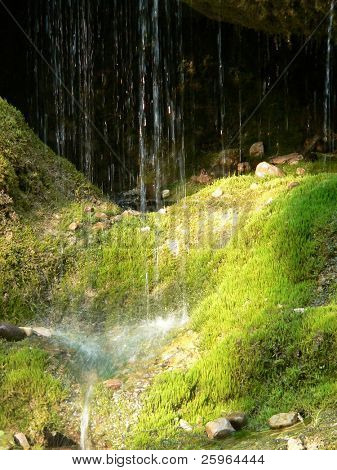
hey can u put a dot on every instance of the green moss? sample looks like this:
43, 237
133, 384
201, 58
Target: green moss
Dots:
30, 396
258, 354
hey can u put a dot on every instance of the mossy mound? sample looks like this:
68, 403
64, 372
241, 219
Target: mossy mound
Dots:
40, 195
264, 349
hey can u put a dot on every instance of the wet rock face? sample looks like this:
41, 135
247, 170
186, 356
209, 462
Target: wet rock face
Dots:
268, 15
11, 332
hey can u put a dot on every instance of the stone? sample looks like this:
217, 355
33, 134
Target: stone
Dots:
203, 178
217, 193
219, 428
266, 169
165, 193
113, 384
295, 444
21, 440
257, 150
237, 420
27, 330
11, 332
185, 426
310, 144
74, 226
42, 331
283, 420
89, 209
101, 216
290, 159
314, 444
300, 171
244, 168
227, 158
130, 213
293, 185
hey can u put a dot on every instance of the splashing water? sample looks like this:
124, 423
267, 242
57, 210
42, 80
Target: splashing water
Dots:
116, 349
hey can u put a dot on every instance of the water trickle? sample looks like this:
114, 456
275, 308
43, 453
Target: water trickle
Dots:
85, 418
222, 109
327, 91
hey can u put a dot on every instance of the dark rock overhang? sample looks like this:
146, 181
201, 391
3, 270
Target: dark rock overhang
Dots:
284, 17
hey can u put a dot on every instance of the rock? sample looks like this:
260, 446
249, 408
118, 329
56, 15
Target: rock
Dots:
310, 144
57, 440
217, 193
203, 178
300, 171
74, 226
11, 332
165, 193
101, 216
99, 226
185, 426
295, 444
244, 168
293, 185
21, 440
162, 210
283, 420
130, 213
237, 420
219, 428
226, 158
314, 444
257, 150
265, 169
41, 331
89, 209
291, 159
113, 384
27, 330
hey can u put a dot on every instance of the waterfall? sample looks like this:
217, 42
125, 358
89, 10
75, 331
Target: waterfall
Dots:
114, 104
327, 92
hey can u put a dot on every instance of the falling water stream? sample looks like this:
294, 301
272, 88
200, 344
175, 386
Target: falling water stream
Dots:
327, 94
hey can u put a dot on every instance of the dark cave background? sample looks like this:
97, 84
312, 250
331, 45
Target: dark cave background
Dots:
252, 61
